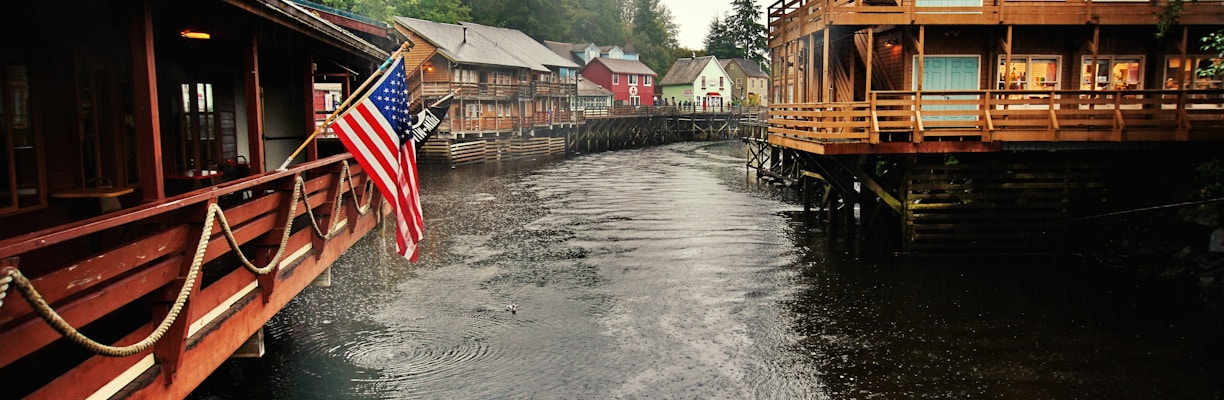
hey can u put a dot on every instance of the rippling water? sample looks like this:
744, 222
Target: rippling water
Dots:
667, 273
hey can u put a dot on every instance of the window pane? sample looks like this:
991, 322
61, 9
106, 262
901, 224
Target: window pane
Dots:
1044, 73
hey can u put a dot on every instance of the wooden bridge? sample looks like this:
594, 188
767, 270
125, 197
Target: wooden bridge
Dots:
601, 129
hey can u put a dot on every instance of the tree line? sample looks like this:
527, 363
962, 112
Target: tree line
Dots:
646, 27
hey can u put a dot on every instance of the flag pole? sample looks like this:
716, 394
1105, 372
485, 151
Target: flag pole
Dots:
408, 45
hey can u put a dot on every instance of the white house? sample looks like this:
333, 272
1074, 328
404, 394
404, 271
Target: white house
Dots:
699, 81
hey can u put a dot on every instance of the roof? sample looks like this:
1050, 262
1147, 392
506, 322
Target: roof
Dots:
521, 46
478, 44
586, 88
326, 28
564, 50
624, 66
608, 48
685, 71
749, 67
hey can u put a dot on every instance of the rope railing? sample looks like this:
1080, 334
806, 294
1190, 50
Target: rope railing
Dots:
11, 275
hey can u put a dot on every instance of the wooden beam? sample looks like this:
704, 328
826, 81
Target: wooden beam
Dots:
825, 87
254, 107
147, 119
1095, 47
920, 45
874, 186
1007, 48
870, 59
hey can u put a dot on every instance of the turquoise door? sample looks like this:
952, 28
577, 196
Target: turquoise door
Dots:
948, 73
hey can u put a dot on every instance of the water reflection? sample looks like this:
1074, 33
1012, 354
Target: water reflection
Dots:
667, 273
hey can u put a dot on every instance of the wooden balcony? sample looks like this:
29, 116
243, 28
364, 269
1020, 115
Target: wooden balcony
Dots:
791, 19
116, 276
908, 121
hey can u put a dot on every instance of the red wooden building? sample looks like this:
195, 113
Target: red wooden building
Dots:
631, 81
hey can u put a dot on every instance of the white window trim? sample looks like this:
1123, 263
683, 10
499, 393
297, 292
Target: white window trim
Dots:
1111, 57
1029, 62
646, 80
615, 79
633, 81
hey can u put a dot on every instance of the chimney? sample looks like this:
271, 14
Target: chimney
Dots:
694, 56
465, 34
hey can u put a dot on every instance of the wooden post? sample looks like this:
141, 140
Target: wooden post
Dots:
147, 119
921, 48
870, 60
1007, 63
1096, 40
312, 150
824, 80
254, 107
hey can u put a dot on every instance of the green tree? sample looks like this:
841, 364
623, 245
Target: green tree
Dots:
654, 34
719, 42
598, 21
448, 11
746, 30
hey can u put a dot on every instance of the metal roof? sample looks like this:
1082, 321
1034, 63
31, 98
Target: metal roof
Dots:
624, 66
587, 88
470, 43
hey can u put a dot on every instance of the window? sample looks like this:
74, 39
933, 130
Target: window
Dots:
635, 101
615, 79
646, 81
1191, 73
703, 82
720, 83
633, 79
465, 75
1112, 73
739, 82
1029, 73
20, 185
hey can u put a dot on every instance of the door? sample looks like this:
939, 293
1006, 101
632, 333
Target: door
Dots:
941, 73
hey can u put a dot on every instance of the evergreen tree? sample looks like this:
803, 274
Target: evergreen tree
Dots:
598, 21
654, 34
447, 11
738, 34
719, 42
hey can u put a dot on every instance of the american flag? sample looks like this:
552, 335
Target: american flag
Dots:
375, 131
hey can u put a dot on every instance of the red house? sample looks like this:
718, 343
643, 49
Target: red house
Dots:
631, 82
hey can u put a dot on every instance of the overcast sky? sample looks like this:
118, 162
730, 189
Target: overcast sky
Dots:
694, 16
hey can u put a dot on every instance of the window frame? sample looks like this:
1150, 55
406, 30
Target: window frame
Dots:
1025, 82
1111, 61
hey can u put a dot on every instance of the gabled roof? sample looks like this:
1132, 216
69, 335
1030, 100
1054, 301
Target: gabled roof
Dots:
685, 71
478, 44
587, 88
324, 27
749, 67
608, 49
565, 50
624, 66
521, 46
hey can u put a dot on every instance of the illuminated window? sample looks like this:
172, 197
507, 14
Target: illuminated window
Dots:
1112, 73
1029, 73
1192, 75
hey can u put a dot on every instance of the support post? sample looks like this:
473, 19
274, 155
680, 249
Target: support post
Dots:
147, 119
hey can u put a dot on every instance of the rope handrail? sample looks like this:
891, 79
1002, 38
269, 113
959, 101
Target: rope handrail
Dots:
12, 275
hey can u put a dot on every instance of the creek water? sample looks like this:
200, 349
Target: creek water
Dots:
668, 272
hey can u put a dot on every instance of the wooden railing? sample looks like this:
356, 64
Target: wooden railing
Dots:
125, 268
790, 19
1069, 115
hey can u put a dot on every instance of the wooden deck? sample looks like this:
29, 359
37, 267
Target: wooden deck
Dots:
975, 121
791, 19
115, 276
